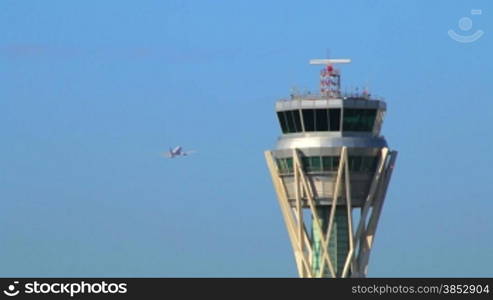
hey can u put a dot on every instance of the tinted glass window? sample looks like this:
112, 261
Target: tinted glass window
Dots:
319, 164
330, 163
280, 164
315, 163
359, 119
285, 165
295, 114
335, 119
312, 163
309, 119
321, 120
282, 122
289, 164
327, 163
289, 121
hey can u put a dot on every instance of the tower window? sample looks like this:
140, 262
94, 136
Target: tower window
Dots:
331, 164
309, 119
321, 120
335, 119
282, 121
285, 165
358, 119
295, 114
290, 121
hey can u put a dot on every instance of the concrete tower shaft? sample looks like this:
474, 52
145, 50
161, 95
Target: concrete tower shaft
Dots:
330, 169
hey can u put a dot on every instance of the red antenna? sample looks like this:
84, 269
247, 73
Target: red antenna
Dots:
330, 77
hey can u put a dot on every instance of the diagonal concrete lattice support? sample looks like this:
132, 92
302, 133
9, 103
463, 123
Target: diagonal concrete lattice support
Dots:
312, 250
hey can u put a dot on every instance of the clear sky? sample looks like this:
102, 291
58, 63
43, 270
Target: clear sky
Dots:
91, 92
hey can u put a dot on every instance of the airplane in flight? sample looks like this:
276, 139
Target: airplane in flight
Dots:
177, 151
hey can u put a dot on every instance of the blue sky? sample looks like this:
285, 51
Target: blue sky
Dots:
91, 92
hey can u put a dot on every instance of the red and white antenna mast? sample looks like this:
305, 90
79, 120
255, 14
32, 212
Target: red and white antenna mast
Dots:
330, 77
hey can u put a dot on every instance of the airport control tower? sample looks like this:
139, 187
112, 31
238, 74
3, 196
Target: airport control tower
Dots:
330, 169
